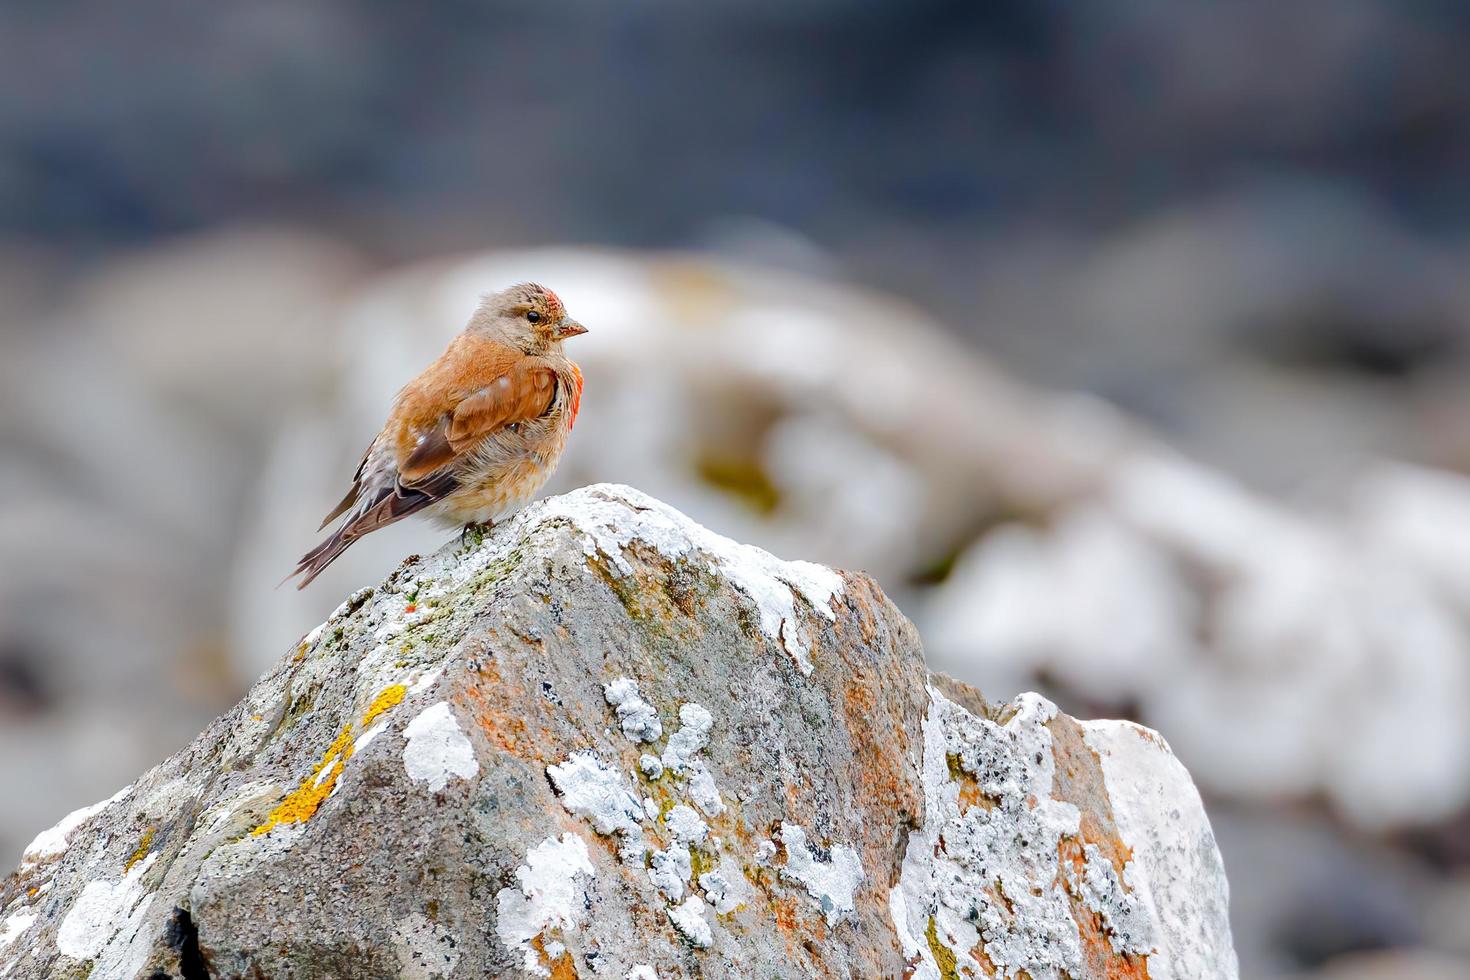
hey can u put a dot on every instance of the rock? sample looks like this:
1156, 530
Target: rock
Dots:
440, 781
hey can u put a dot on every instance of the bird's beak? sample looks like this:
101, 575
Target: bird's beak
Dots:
568, 328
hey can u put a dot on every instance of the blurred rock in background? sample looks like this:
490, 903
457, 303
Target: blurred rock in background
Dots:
1214, 478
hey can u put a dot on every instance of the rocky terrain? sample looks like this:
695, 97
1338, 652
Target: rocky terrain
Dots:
1307, 655
604, 741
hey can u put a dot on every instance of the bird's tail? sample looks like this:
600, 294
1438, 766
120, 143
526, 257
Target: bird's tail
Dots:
368, 511
315, 561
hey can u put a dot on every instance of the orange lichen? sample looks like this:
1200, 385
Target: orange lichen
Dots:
300, 805
388, 698
881, 768
561, 968
497, 706
1079, 781
786, 915
141, 851
970, 793
1103, 960
987, 966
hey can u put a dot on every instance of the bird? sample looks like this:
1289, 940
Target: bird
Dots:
476, 435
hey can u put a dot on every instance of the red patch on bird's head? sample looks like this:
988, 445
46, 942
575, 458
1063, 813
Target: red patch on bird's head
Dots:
554, 308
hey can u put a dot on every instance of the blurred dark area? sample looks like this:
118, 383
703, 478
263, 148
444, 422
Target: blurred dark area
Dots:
909, 139
1227, 242
968, 156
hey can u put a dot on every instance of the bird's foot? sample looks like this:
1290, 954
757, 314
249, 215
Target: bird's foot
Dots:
474, 533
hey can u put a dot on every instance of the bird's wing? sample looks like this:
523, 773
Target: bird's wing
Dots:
523, 390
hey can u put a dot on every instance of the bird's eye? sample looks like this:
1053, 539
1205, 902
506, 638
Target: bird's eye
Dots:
533, 316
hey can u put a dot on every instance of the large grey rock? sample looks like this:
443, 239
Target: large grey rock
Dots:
604, 741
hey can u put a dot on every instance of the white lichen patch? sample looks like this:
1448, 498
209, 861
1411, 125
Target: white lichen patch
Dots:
52, 843
913, 951
669, 869
437, 749
1175, 875
689, 919
989, 874
591, 789
703, 791
366, 738
614, 516
105, 923
693, 735
833, 882
1127, 921
685, 825
636, 716
15, 924
726, 887
642, 971
551, 894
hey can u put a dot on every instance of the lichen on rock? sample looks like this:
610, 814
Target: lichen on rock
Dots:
467, 772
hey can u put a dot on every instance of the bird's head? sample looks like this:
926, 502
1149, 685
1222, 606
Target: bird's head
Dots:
528, 317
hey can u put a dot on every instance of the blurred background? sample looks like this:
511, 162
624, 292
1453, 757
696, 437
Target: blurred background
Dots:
1125, 344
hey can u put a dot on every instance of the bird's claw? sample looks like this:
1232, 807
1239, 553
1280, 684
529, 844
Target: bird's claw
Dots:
478, 530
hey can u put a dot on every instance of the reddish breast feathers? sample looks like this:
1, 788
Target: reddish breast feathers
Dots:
576, 398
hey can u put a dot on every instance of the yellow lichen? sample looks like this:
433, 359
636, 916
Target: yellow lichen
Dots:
141, 851
300, 805
389, 698
943, 957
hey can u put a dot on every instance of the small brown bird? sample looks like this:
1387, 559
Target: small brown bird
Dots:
474, 437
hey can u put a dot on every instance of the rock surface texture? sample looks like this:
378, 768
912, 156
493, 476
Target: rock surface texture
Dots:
606, 742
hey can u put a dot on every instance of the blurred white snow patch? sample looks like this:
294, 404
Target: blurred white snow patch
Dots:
1203, 515
791, 347
1089, 601
1421, 517
812, 459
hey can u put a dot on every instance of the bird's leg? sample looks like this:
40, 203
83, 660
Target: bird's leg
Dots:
479, 530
